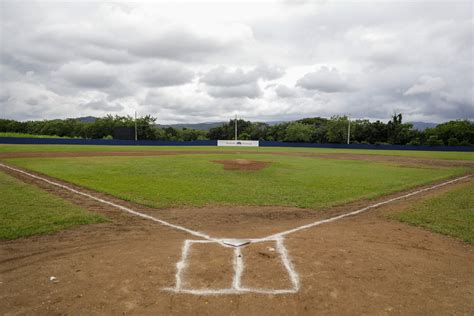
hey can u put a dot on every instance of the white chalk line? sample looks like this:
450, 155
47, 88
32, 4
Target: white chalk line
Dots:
335, 218
123, 208
238, 266
238, 269
285, 258
294, 278
181, 265
220, 240
238, 261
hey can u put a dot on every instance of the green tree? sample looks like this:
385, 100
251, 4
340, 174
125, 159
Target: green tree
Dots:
227, 130
434, 141
256, 131
298, 132
461, 130
337, 129
397, 132
320, 128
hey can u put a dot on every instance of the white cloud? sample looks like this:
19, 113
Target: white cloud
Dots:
102, 105
269, 72
284, 92
189, 61
163, 74
325, 80
426, 84
94, 75
222, 82
222, 76
250, 90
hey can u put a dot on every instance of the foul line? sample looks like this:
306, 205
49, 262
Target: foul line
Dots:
335, 218
238, 263
123, 208
220, 240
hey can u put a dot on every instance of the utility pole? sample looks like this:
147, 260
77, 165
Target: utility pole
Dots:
136, 134
349, 131
235, 129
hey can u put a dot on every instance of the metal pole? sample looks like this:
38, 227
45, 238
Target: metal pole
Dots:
235, 129
136, 134
349, 132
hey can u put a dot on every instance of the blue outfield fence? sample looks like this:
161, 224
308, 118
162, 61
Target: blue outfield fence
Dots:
368, 146
114, 142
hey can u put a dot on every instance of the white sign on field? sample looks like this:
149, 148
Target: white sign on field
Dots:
243, 143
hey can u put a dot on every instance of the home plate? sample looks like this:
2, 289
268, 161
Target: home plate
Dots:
236, 242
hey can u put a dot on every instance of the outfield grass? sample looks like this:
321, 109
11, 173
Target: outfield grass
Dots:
76, 148
26, 210
193, 180
451, 213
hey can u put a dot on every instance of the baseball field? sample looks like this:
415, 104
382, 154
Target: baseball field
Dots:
211, 230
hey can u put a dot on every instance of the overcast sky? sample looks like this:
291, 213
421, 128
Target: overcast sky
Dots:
208, 61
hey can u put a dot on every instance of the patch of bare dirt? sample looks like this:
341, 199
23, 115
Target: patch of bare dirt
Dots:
242, 164
359, 265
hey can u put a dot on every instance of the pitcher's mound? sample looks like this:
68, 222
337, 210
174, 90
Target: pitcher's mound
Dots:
242, 164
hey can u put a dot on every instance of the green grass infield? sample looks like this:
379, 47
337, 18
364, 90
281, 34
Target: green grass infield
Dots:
26, 210
451, 213
194, 180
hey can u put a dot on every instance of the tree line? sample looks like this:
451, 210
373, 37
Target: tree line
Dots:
313, 130
335, 130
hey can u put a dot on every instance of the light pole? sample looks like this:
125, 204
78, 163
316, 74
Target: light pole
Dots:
235, 127
136, 134
349, 131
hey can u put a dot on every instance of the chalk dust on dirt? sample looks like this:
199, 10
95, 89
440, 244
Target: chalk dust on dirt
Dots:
360, 265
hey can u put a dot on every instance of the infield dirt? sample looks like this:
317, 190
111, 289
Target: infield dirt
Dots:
363, 264
242, 164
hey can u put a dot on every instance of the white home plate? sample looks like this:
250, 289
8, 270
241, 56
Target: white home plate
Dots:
236, 242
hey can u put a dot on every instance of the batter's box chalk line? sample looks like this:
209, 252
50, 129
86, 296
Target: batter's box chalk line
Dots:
238, 265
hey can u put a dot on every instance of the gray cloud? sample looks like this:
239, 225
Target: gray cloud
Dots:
65, 59
269, 72
250, 90
102, 105
223, 77
88, 75
325, 80
178, 44
222, 82
164, 74
426, 84
284, 91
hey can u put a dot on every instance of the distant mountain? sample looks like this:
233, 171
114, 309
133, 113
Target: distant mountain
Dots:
421, 126
199, 126
205, 126
87, 119
271, 123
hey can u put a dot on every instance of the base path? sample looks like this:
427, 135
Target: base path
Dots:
365, 265
238, 261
